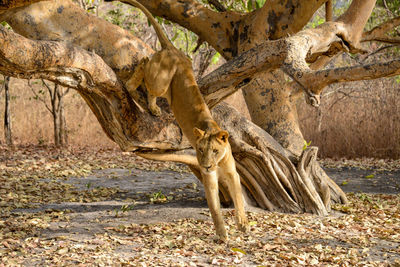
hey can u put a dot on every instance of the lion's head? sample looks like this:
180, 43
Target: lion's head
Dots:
210, 148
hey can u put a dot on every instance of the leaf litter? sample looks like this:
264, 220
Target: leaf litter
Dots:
365, 232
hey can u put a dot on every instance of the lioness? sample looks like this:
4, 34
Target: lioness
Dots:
169, 74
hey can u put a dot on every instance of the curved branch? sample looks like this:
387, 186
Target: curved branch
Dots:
379, 33
118, 48
355, 18
98, 84
322, 78
387, 40
231, 30
283, 18
199, 19
59, 62
289, 54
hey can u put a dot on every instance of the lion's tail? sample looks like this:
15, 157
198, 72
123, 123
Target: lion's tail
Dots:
181, 158
165, 43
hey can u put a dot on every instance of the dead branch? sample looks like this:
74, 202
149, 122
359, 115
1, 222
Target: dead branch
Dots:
218, 6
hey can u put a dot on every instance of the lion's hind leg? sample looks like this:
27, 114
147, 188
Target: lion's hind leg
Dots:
159, 72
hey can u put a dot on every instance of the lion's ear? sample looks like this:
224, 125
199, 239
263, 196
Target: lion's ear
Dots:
198, 133
223, 136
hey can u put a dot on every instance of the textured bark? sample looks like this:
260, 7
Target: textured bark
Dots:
100, 59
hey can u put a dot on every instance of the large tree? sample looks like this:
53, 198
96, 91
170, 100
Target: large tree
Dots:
270, 57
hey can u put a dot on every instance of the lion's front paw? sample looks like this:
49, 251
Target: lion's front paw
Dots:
242, 224
221, 234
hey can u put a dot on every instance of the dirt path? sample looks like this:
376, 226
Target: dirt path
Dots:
150, 198
352, 179
164, 196
123, 214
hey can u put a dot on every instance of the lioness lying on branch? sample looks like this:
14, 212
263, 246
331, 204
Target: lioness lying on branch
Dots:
169, 74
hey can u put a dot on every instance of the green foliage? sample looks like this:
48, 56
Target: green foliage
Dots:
124, 208
306, 144
318, 20
159, 197
252, 5
240, 5
380, 14
215, 58
365, 197
115, 16
183, 39
5, 25
393, 5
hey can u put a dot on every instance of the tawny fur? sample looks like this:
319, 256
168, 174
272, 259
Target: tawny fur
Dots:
169, 74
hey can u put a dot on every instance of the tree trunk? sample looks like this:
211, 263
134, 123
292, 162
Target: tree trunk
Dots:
63, 135
63, 126
329, 10
7, 113
55, 114
100, 61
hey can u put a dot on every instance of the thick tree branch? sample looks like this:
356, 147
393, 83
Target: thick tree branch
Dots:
379, 33
289, 54
62, 63
199, 19
97, 83
231, 31
329, 10
322, 78
283, 18
355, 18
105, 39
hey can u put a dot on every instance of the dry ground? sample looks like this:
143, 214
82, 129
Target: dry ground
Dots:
107, 208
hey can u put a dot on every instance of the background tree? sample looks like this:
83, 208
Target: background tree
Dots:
56, 108
7, 112
270, 58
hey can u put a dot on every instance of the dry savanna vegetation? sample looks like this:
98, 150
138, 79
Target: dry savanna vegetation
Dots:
355, 120
276, 76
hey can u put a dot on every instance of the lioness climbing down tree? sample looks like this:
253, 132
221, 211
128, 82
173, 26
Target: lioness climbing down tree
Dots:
169, 74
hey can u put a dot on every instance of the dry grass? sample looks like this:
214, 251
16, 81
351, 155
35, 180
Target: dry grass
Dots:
360, 119
32, 122
355, 120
